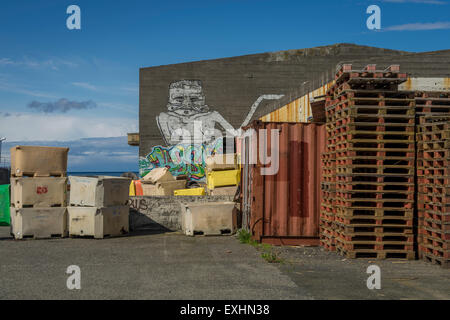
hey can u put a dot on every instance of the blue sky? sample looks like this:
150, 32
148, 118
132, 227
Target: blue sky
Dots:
64, 85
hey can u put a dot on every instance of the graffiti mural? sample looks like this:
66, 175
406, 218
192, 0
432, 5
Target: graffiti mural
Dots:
181, 159
191, 131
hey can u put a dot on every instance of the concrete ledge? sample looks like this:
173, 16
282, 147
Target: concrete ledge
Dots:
163, 212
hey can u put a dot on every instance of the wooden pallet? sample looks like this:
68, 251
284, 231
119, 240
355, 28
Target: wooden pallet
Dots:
426, 146
432, 189
433, 164
360, 178
443, 154
371, 127
374, 237
436, 198
386, 188
327, 244
346, 91
442, 217
358, 107
371, 220
444, 263
435, 242
436, 224
377, 254
441, 253
349, 229
370, 79
373, 212
364, 169
356, 136
356, 246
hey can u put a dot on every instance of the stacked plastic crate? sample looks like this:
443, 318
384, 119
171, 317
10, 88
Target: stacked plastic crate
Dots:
222, 174
38, 192
433, 173
371, 130
98, 206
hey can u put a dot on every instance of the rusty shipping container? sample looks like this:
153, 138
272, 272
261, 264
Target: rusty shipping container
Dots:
282, 208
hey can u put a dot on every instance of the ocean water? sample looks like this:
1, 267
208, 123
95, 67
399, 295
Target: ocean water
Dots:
98, 173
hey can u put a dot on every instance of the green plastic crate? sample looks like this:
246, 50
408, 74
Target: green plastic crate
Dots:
4, 205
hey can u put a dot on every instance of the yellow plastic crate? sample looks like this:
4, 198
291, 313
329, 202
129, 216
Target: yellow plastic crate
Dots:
132, 189
190, 192
223, 178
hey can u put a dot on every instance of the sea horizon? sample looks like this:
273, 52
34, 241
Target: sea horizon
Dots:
99, 173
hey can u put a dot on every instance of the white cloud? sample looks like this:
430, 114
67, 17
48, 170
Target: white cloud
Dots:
6, 62
10, 87
32, 126
119, 106
131, 89
85, 85
53, 63
419, 26
116, 90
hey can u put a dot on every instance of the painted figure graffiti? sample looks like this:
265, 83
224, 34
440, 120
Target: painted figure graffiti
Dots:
189, 118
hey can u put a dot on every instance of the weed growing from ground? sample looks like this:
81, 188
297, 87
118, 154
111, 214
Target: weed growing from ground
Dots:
267, 251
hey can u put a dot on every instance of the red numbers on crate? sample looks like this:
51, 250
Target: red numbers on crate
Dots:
41, 190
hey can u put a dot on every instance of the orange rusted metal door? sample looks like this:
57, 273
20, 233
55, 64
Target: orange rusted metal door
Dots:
284, 207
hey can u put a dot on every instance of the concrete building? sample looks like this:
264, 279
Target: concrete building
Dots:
204, 98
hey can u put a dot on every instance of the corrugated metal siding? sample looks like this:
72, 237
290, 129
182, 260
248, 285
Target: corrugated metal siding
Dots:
284, 208
298, 110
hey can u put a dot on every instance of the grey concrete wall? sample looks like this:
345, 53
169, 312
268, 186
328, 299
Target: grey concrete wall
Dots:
162, 212
232, 85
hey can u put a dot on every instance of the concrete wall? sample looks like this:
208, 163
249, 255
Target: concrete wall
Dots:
232, 87
162, 213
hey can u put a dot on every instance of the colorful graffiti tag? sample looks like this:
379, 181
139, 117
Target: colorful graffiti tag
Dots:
181, 159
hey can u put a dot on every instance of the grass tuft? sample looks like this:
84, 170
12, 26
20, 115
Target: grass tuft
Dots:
268, 253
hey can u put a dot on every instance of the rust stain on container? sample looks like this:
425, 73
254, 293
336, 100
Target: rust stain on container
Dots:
284, 208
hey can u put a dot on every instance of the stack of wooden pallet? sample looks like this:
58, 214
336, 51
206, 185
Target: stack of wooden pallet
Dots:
432, 103
370, 128
433, 171
327, 207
